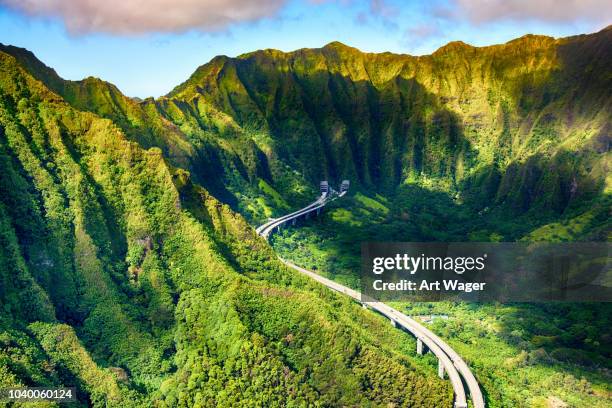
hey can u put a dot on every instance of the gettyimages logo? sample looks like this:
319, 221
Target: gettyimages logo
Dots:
412, 264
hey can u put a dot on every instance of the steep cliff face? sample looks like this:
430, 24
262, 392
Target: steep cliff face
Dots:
207, 142
122, 277
493, 123
381, 119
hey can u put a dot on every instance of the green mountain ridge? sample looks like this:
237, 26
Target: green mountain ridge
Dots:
122, 277
128, 268
493, 123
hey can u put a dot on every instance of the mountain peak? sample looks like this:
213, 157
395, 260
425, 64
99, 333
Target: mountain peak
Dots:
532, 38
337, 45
453, 46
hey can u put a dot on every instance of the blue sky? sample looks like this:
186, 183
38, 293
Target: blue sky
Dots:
147, 54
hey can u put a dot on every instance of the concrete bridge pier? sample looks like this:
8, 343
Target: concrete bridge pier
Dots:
440, 369
419, 347
293, 221
318, 211
364, 305
393, 323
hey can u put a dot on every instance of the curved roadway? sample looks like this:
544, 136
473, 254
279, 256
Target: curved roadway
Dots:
266, 229
452, 363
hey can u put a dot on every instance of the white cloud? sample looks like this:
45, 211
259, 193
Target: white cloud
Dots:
556, 11
132, 17
144, 16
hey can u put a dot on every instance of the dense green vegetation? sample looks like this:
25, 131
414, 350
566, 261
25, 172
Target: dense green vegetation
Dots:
523, 354
121, 276
126, 269
531, 355
523, 124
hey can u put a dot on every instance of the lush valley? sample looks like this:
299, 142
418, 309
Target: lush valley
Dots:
523, 354
128, 267
122, 277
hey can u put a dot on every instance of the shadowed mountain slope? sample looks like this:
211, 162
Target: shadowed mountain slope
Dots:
122, 277
493, 123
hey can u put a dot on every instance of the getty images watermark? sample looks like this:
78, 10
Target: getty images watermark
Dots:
486, 272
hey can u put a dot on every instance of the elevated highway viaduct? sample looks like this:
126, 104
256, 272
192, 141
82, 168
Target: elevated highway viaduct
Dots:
449, 362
